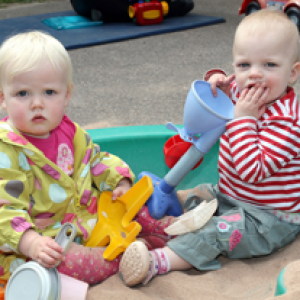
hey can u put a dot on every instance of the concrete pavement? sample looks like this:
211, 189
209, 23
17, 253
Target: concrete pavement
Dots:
143, 81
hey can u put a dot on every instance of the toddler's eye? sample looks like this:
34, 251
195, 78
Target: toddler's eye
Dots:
244, 65
270, 64
22, 94
49, 92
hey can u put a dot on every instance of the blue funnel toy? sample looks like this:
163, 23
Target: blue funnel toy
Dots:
204, 115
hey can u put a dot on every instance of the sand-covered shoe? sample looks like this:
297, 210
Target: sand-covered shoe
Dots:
134, 264
194, 219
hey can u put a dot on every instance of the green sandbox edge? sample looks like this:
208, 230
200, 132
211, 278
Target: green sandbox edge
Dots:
141, 147
280, 288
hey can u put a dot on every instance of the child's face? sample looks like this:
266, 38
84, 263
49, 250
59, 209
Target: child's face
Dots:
264, 58
35, 100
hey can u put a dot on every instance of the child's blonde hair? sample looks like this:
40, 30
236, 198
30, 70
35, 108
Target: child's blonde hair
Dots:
26, 51
266, 20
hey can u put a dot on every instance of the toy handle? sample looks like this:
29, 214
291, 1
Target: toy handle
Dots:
65, 240
183, 167
209, 138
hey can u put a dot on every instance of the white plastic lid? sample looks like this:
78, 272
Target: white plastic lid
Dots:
33, 282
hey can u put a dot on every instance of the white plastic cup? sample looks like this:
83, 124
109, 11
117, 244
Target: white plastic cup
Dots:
72, 289
31, 281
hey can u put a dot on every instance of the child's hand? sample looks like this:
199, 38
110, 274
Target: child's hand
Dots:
46, 251
222, 82
252, 102
123, 186
42, 249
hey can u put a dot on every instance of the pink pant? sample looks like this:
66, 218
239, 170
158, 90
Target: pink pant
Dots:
87, 264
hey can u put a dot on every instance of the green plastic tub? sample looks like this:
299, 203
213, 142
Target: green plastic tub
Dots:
141, 147
280, 287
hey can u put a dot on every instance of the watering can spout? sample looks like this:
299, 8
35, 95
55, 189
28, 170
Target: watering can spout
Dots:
209, 138
206, 115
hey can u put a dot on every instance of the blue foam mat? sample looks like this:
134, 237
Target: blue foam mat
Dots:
106, 33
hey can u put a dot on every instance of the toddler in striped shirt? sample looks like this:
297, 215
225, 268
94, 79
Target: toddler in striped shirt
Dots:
258, 192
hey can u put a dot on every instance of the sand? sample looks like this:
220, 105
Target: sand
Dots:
243, 279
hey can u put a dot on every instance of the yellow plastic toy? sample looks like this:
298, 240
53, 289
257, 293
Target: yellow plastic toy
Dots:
114, 225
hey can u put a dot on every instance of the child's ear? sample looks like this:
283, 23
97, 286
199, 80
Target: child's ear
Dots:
69, 95
295, 72
2, 102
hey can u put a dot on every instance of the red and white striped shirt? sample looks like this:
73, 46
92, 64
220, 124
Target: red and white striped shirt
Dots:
259, 160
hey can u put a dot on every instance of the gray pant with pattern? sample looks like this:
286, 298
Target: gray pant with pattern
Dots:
238, 230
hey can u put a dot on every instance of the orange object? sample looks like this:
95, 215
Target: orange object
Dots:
115, 226
2, 289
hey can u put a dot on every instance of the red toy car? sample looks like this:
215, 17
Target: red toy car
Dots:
150, 12
143, 12
290, 7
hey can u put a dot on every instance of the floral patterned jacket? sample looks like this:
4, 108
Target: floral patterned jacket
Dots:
35, 193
